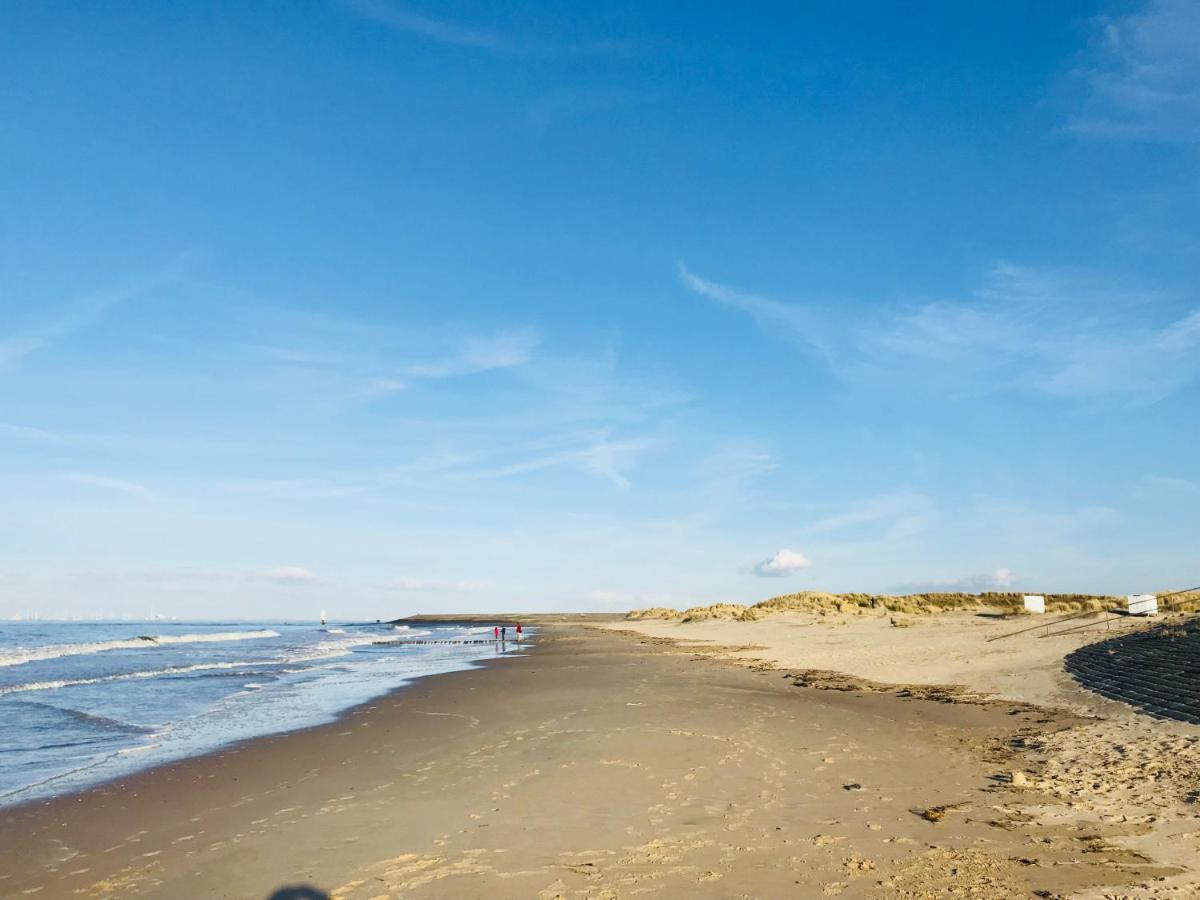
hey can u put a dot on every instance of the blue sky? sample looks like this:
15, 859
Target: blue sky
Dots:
384, 307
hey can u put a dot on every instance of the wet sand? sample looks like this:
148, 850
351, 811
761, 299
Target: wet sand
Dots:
600, 765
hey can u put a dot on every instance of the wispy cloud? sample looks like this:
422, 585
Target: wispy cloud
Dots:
996, 580
284, 576
599, 457
443, 31
15, 348
423, 585
1174, 486
28, 433
1064, 333
349, 362
1141, 75
783, 563
405, 19
901, 513
1059, 333
80, 313
129, 488
787, 320
288, 576
502, 350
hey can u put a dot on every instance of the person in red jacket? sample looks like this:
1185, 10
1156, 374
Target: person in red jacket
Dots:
518, 632
496, 632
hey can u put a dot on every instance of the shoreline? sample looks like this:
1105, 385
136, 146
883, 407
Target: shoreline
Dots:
177, 737
233, 744
596, 764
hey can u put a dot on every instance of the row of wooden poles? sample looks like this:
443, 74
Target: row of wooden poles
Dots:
453, 641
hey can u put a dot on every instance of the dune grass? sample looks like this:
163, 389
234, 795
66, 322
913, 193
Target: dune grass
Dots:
823, 603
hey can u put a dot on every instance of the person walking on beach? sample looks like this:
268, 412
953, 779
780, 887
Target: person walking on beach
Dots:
518, 632
496, 632
504, 634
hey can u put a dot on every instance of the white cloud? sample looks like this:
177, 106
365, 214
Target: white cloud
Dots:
782, 564
1060, 333
131, 488
1141, 75
289, 576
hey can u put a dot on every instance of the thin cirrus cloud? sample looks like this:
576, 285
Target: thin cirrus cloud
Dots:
1141, 76
86, 310
371, 371
1066, 334
782, 564
28, 433
405, 19
288, 576
791, 321
901, 511
602, 458
104, 482
423, 585
285, 576
503, 350
347, 363
1172, 486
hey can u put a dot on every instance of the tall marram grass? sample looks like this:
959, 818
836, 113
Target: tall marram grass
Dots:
879, 604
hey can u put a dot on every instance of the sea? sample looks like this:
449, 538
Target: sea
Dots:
82, 703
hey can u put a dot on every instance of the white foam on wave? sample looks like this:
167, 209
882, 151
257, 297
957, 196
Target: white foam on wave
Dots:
322, 650
326, 649
55, 651
129, 676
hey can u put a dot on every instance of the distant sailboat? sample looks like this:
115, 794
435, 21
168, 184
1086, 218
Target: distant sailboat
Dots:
322, 617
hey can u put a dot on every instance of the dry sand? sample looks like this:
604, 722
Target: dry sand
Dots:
941, 649
601, 765
1113, 768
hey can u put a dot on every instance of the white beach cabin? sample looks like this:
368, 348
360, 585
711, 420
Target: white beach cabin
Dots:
1142, 604
1035, 603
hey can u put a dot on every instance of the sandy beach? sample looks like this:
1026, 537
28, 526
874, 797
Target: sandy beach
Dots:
605, 764
1093, 764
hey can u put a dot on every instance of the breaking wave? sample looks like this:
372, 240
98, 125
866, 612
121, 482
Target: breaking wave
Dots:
129, 676
19, 656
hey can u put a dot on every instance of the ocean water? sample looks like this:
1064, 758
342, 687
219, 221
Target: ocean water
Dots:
84, 702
